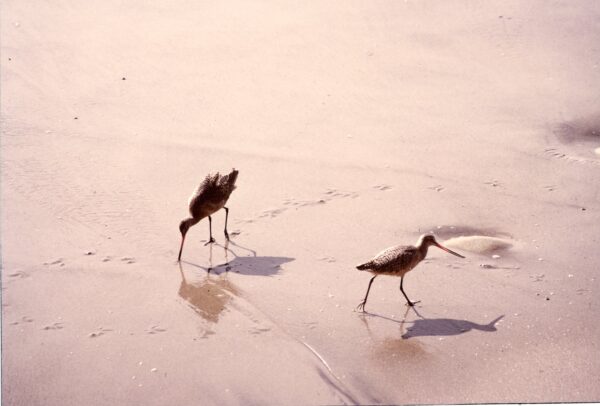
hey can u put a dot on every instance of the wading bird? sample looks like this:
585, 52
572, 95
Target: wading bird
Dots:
397, 261
211, 195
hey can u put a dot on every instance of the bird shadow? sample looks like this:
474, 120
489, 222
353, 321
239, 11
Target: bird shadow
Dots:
424, 327
251, 264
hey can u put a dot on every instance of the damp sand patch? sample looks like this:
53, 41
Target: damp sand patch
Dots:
584, 129
479, 244
479, 240
446, 232
580, 138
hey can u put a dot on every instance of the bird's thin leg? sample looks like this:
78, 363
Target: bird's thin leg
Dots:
226, 215
402, 290
210, 239
361, 305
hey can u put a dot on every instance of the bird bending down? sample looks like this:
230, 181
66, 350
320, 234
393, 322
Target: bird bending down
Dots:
397, 261
211, 195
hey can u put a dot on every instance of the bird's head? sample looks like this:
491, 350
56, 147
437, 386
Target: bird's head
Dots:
184, 226
427, 240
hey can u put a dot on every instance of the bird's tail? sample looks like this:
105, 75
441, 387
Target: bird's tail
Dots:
228, 181
365, 266
232, 177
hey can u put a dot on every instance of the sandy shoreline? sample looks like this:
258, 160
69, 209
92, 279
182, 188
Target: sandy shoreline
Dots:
354, 128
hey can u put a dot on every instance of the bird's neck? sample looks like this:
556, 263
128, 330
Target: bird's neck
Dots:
192, 221
423, 247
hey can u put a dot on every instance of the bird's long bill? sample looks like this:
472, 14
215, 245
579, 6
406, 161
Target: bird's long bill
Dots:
449, 251
181, 248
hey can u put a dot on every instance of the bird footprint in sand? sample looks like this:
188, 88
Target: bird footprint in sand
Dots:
334, 193
327, 259
437, 188
271, 213
571, 158
54, 326
58, 262
493, 183
101, 331
155, 330
24, 319
19, 274
128, 260
259, 330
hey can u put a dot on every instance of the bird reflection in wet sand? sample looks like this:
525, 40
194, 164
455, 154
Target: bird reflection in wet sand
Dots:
364, 317
388, 349
209, 296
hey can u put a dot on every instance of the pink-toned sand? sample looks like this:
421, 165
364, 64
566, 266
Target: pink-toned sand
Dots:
355, 126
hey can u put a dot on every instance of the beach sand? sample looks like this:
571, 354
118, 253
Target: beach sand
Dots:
355, 126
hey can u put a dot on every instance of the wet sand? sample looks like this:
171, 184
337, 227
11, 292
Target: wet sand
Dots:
355, 127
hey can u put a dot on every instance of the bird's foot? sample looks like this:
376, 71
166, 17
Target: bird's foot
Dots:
411, 304
361, 307
226, 235
210, 241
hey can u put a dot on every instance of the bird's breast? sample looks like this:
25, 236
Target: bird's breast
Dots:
212, 207
393, 271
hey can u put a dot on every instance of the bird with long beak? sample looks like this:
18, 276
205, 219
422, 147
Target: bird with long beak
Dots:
399, 260
209, 197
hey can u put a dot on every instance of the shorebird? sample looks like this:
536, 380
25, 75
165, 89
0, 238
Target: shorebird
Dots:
399, 260
211, 195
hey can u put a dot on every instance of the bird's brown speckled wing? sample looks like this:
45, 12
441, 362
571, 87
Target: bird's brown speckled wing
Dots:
394, 258
207, 193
